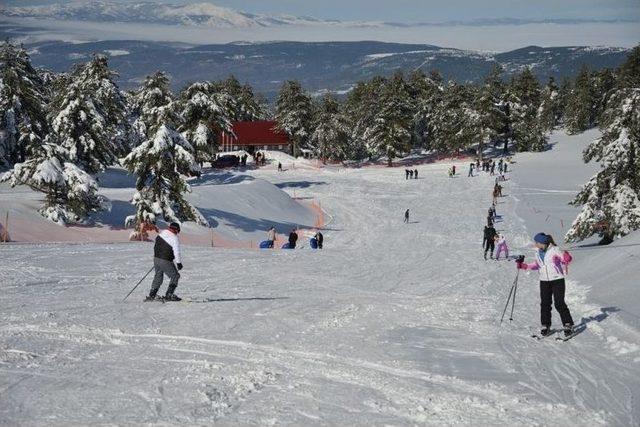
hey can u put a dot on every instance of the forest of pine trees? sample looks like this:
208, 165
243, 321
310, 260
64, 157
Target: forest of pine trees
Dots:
58, 131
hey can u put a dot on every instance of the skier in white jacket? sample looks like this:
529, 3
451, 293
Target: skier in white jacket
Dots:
166, 260
551, 263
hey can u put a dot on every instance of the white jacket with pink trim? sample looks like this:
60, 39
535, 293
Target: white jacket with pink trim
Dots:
551, 264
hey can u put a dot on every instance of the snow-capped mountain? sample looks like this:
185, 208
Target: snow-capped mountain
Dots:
196, 14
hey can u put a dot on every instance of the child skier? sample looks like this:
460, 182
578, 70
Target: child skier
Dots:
551, 263
166, 252
501, 243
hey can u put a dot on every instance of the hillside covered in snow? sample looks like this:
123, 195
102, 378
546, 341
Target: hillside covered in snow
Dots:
390, 323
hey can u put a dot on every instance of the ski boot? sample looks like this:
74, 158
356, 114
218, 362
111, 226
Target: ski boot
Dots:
568, 330
170, 296
545, 331
151, 297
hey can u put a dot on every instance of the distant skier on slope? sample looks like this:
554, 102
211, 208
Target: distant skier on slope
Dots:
489, 237
166, 260
319, 239
415, 173
406, 216
470, 170
551, 263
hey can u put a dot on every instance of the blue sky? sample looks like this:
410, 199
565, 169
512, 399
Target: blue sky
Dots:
426, 10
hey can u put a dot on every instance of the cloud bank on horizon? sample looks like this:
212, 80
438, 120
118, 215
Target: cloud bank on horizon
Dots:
495, 25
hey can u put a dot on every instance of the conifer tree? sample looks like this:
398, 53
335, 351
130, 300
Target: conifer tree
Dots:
294, 114
161, 160
610, 200
330, 137
581, 109
23, 102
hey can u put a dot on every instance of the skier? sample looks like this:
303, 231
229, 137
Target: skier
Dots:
406, 174
320, 239
271, 236
489, 237
470, 170
166, 257
551, 263
293, 238
410, 174
453, 170
415, 173
478, 164
501, 247
279, 167
406, 216
493, 168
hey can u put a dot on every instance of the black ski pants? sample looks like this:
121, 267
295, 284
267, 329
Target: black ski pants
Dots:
553, 290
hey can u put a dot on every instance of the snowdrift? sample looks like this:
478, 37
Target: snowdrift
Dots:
239, 208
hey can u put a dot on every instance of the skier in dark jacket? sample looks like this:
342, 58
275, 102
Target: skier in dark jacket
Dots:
415, 173
293, 239
166, 260
406, 216
406, 174
489, 240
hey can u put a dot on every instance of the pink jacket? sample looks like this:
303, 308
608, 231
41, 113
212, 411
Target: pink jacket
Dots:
551, 264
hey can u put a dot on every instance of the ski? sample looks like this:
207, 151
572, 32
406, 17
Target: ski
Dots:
542, 337
575, 332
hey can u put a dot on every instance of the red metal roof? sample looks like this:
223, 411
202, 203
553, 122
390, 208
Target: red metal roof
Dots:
258, 133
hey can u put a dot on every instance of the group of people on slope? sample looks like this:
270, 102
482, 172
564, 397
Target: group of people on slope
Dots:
488, 166
411, 174
293, 238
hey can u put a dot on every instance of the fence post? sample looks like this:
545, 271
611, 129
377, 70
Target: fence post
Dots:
5, 236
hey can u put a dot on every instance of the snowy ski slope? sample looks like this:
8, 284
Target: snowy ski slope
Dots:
392, 324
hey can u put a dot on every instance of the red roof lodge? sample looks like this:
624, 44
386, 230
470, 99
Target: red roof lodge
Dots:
254, 136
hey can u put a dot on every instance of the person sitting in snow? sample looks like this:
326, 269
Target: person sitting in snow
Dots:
166, 260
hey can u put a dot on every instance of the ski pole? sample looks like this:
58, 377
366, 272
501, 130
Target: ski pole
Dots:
506, 305
138, 284
515, 289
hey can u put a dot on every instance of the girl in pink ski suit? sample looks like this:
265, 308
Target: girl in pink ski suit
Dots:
501, 243
552, 265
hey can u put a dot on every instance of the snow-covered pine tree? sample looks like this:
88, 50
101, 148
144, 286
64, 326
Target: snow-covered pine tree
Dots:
429, 96
581, 107
70, 192
492, 110
246, 106
294, 113
550, 111
161, 160
330, 137
524, 103
98, 82
458, 123
23, 103
362, 103
390, 133
205, 112
610, 200
80, 126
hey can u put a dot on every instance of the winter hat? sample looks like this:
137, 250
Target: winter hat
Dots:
541, 238
174, 226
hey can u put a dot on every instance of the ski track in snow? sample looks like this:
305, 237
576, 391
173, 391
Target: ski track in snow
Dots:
391, 324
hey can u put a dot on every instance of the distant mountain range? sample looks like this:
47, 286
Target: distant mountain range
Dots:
320, 67
210, 15
196, 14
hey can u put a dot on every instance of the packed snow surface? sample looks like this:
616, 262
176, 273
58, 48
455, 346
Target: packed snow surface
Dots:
390, 324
